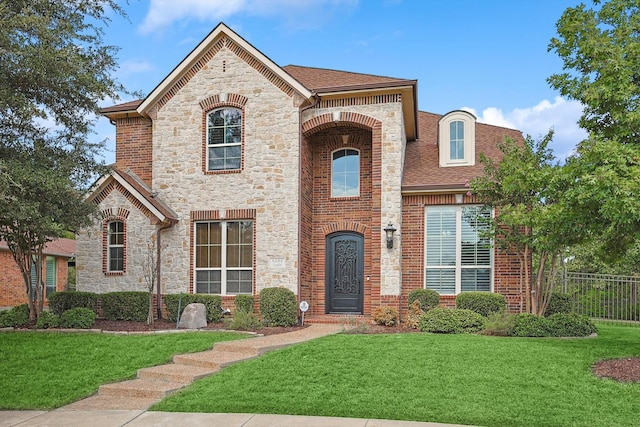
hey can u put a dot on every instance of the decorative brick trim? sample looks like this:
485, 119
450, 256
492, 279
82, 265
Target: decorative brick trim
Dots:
209, 104
214, 215
115, 185
344, 226
362, 100
341, 119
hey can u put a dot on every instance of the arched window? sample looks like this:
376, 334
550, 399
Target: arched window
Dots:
456, 140
345, 173
115, 246
224, 139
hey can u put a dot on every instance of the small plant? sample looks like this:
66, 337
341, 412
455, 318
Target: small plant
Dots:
413, 315
59, 302
499, 323
559, 303
387, 316
78, 318
483, 303
428, 298
530, 325
242, 321
244, 303
354, 326
278, 307
125, 306
570, 325
17, 317
451, 321
47, 320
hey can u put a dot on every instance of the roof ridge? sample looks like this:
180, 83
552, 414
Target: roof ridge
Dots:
344, 71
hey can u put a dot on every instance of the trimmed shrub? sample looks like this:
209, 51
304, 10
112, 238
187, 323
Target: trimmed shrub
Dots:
530, 325
125, 306
387, 316
244, 303
570, 325
47, 320
499, 323
451, 321
17, 317
213, 303
278, 307
242, 321
413, 315
483, 303
59, 302
428, 298
559, 303
78, 318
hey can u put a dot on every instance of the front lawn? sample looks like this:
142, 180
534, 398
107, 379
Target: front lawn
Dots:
44, 370
465, 379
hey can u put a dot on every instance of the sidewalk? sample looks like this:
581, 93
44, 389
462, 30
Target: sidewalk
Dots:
126, 403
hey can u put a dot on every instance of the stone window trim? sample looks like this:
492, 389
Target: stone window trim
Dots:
109, 218
222, 215
332, 160
468, 121
211, 104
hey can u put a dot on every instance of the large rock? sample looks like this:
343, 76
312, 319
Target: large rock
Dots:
194, 316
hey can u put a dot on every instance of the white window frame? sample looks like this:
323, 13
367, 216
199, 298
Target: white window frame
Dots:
115, 245
223, 261
211, 145
458, 267
333, 172
444, 139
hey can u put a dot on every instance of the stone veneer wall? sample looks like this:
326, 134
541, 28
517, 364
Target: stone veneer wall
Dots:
89, 251
268, 182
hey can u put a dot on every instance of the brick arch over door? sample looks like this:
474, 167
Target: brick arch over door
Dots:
313, 234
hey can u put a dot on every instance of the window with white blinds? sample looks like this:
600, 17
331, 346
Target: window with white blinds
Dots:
457, 254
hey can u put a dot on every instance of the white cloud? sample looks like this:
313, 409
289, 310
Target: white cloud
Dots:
560, 115
135, 67
164, 12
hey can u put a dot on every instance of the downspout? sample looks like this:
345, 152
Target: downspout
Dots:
163, 226
316, 100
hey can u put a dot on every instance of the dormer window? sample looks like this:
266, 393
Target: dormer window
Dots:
456, 139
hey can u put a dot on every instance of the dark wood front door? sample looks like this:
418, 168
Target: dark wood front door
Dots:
344, 273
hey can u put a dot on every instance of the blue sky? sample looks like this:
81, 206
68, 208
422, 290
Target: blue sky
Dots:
487, 56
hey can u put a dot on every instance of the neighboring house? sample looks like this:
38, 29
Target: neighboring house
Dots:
253, 175
58, 254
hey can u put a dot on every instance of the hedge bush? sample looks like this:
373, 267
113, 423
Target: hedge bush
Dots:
414, 314
17, 317
59, 302
125, 306
530, 325
244, 303
278, 307
47, 320
570, 325
499, 323
451, 321
483, 303
78, 318
559, 303
428, 298
213, 304
387, 316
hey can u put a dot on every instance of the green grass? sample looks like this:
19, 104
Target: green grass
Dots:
466, 379
49, 370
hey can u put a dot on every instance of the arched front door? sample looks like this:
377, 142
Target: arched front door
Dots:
344, 273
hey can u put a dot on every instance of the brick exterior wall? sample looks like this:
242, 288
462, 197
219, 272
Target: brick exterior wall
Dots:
134, 147
506, 268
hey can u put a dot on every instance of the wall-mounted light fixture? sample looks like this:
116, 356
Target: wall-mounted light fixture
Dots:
345, 139
389, 230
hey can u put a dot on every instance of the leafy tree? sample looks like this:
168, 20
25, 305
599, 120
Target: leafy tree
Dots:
525, 187
54, 69
600, 50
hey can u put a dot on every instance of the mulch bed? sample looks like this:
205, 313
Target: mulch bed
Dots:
623, 370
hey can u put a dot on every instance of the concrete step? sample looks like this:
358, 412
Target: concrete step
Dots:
249, 347
106, 402
140, 388
213, 359
175, 373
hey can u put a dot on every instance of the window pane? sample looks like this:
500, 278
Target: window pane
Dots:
234, 117
442, 280
476, 249
441, 237
51, 275
116, 260
208, 282
202, 256
345, 173
216, 136
224, 128
456, 140
239, 281
476, 279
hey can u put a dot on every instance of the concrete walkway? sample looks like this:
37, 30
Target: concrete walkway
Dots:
125, 403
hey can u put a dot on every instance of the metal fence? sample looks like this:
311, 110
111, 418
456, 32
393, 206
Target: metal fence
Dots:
602, 296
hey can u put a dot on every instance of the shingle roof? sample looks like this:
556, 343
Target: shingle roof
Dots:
65, 248
323, 78
125, 106
421, 165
